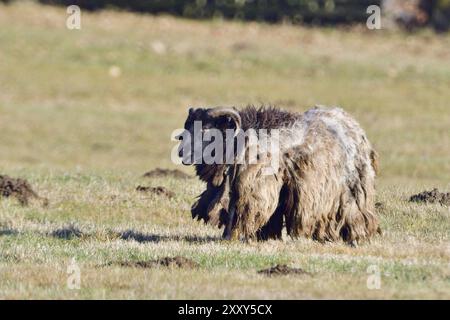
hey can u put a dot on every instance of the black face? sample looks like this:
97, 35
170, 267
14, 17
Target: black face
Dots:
192, 145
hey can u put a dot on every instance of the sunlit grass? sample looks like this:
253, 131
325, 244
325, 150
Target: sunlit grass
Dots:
83, 138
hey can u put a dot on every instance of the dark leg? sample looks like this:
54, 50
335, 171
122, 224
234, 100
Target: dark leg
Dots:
273, 228
231, 222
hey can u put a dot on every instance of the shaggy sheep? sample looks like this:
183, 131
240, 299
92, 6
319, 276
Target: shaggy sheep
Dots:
323, 187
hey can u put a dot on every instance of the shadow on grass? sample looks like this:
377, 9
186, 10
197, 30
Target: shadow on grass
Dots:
67, 233
142, 237
72, 232
8, 232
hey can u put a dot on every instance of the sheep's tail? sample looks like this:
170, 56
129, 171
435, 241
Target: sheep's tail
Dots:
374, 158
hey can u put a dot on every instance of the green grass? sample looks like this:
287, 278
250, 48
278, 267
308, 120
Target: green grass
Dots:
84, 138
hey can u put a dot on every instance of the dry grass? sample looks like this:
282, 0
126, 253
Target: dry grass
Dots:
84, 138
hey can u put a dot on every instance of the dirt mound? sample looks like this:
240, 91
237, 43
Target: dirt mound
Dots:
160, 191
281, 270
169, 262
433, 196
19, 189
158, 172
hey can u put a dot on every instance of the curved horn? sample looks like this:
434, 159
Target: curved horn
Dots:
226, 111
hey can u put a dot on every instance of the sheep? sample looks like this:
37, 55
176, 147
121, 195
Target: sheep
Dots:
323, 186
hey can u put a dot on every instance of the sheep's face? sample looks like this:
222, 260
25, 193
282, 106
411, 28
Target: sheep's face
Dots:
200, 130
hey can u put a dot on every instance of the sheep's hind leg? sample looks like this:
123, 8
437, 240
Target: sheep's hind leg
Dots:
273, 228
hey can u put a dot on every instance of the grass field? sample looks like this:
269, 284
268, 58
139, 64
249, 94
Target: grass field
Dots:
84, 113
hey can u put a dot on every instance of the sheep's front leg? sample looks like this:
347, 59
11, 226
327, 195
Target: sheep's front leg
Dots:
228, 232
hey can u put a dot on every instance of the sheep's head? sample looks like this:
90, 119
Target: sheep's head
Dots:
198, 131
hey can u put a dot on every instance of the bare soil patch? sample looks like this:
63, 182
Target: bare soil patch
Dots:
19, 189
433, 196
281, 270
168, 262
159, 172
160, 191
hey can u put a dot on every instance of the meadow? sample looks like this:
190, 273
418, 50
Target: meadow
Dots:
85, 113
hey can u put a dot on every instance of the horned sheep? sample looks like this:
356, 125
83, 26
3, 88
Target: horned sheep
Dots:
323, 187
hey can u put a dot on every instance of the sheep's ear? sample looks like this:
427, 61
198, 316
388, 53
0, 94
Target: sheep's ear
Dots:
191, 111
